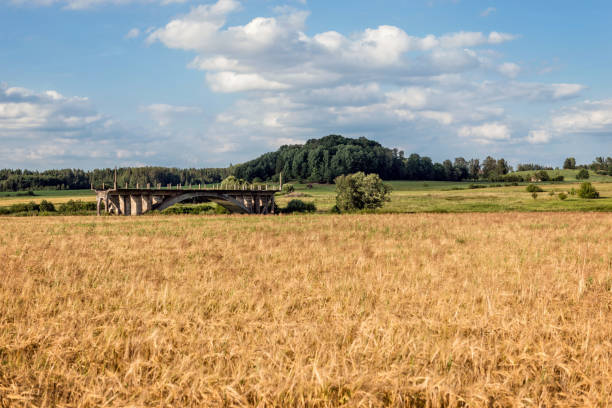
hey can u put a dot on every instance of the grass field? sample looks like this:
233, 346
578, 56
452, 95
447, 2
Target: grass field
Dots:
419, 196
432, 196
340, 310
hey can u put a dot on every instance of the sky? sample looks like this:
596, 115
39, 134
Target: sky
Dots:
104, 83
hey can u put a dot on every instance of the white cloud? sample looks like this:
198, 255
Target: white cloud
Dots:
486, 133
509, 69
539, 136
227, 81
164, 114
133, 33
23, 109
562, 91
488, 12
587, 117
276, 48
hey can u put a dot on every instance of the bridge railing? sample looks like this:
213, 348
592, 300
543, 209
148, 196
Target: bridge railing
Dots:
215, 186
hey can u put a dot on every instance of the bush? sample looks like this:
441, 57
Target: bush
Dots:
219, 209
188, 209
542, 175
78, 206
358, 192
532, 188
298, 206
557, 178
562, 196
587, 191
46, 206
583, 174
534, 195
288, 188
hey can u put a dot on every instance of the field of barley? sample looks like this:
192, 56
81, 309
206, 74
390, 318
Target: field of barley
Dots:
437, 310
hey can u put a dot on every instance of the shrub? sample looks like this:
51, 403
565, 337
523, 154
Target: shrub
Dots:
78, 206
542, 175
532, 188
288, 188
358, 192
587, 191
188, 209
219, 209
562, 196
551, 193
309, 186
572, 191
46, 206
298, 206
583, 174
558, 178
534, 195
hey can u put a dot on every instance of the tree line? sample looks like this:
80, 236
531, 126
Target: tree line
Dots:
71, 179
318, 160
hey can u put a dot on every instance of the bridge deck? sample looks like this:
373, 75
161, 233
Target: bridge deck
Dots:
174, 191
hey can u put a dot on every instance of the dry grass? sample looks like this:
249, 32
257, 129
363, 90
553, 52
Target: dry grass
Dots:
364, 310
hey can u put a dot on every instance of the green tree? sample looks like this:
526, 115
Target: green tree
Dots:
474, 169
587, 191
489, 166
502, 167
232, 182
569, 163
358, 191
583, 174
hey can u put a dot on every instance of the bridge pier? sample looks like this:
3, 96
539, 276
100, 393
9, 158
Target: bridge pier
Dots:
124, 204
135, 204
147, 203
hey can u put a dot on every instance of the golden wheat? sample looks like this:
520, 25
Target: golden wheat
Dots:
363, 310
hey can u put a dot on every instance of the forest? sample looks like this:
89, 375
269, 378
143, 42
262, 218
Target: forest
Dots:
318, 160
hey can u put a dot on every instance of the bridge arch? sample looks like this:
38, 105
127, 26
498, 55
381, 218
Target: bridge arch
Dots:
224, 200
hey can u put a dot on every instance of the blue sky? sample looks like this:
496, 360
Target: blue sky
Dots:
99, 83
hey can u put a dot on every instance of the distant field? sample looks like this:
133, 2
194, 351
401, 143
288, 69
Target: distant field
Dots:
341, 310
55, 196
420, 196
441, 196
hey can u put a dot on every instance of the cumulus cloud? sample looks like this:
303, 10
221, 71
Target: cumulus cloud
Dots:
227, 81
509, 69
23, 109
539, 136
486, 133
587, 117
275, 53
164, 114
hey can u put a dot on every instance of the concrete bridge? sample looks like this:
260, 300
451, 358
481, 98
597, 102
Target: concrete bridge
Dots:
240, 199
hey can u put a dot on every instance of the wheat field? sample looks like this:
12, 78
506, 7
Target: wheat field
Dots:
424, 310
